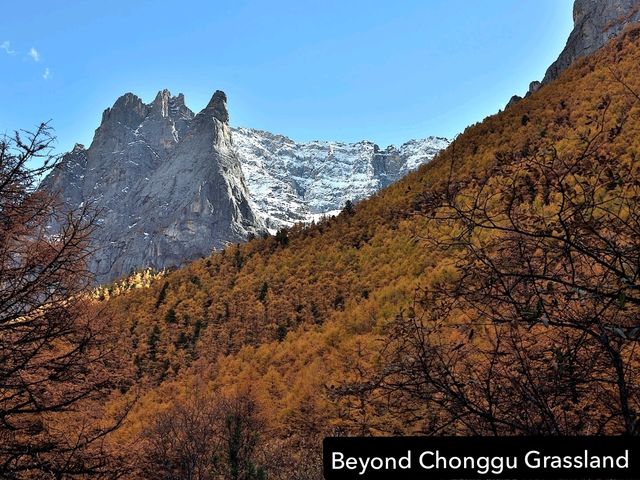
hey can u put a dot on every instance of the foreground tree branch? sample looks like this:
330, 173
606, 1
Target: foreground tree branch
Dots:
53, 349
532, 325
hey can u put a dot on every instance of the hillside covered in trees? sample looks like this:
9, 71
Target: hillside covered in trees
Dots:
499, 279
493, 291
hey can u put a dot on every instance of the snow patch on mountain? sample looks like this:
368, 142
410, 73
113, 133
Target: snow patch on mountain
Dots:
291, 182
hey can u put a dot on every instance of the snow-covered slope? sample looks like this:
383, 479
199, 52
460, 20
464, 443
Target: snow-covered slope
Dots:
293, 182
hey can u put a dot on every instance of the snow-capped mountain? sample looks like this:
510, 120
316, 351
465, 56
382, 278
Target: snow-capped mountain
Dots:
172, 186
166, 183
292, 182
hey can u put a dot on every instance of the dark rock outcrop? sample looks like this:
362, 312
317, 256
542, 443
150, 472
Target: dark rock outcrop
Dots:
534, 87
513, 100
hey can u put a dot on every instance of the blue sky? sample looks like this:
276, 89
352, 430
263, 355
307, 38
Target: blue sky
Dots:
332, 69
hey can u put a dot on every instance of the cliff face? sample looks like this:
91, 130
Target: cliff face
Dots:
166, 183
595, 22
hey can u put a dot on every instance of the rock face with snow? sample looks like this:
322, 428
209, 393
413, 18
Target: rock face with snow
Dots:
296, 182
167, 184
595, 22
171, 186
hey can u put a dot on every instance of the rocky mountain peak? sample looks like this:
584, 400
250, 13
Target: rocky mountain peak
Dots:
172, 186
217, 107
595, 22
178, 103
161, 102
128, 110
294, 182
169, 189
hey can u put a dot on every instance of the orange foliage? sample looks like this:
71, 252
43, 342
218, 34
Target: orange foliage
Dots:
295, 315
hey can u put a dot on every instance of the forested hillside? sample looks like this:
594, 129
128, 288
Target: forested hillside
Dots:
505, 268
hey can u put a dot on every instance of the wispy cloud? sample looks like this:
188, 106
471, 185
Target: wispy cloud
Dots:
33, 53
6, 46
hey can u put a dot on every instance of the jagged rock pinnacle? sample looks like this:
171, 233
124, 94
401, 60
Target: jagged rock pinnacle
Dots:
161, 102
217, 106
128, 109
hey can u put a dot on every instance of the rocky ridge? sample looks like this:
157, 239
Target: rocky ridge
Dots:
294, 182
